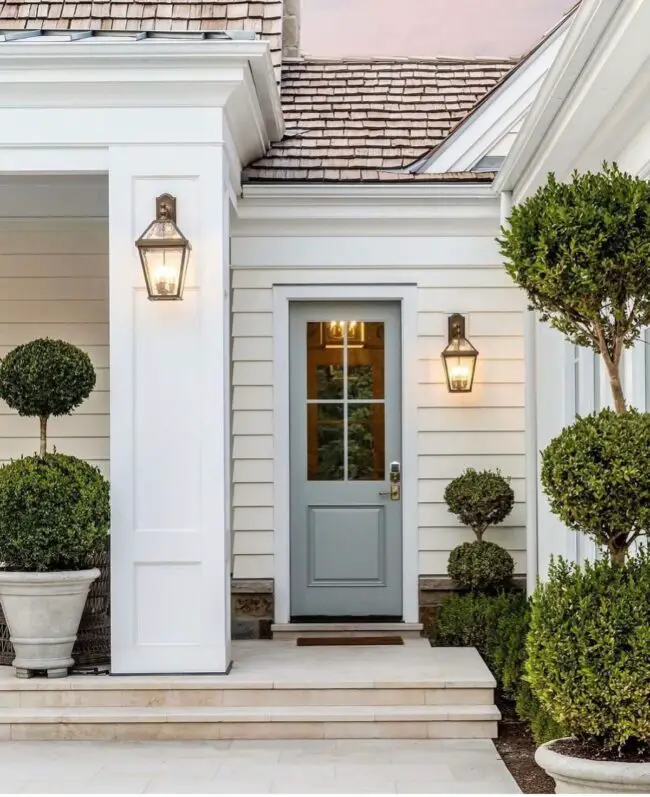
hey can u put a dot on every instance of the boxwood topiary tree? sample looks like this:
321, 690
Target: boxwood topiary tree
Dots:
46, 377
596, 474
581, 250
54, 513
480, 499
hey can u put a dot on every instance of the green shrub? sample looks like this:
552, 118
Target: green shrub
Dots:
543, 727
480, 566
497, 626
589, 651
580, 250
595, 474
46, 377
54, 513
480, 499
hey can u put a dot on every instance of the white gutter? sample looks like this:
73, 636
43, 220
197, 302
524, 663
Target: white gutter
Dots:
420, 190
530, 436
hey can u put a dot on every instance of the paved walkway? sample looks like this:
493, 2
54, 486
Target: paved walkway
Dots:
289, 767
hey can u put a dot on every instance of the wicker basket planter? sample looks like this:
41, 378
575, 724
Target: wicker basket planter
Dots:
93, 645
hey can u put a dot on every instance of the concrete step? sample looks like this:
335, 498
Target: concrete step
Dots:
275, 722
288, 631
182, 696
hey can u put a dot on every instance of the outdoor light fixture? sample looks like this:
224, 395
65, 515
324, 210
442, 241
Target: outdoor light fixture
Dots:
459, 357
164, 252
333, 334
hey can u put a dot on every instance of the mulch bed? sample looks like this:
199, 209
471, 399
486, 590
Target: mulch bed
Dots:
517, 749
573, 747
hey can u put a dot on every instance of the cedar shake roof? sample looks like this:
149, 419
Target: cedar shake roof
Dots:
178, 16
372, 120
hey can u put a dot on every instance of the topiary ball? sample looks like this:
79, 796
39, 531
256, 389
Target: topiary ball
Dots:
595, 474
46, 377
480, 566
54, 513
589, 651
480, 499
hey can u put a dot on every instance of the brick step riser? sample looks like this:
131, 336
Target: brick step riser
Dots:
176, 698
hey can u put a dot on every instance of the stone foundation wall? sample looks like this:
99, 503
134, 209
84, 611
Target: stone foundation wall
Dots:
252, 604
251, 608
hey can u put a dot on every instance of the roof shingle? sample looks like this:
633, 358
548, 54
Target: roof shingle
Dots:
262, 16
372, 119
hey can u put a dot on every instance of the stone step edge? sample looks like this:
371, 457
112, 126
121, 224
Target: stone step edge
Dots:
165, 683
112, 714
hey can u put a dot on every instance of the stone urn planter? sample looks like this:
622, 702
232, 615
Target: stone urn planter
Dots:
42, 611
586, 776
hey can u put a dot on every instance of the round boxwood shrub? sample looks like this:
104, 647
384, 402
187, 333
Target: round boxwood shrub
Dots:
589, 651
46, 377
54, 513
597, 479
480, 499
480, 566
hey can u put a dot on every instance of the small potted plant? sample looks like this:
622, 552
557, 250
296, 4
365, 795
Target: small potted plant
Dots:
54, 512
480, 499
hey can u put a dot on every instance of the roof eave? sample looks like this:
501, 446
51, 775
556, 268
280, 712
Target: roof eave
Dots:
589, 25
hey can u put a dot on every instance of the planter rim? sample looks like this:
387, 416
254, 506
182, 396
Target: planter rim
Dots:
57, 576
586, 769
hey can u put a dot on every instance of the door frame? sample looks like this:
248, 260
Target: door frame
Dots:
406, 295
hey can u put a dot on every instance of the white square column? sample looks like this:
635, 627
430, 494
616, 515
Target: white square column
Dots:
170, 537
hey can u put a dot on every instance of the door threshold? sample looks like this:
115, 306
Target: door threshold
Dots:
338, 628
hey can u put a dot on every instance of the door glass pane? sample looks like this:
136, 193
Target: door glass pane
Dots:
366, 455
324, 363
325, 442
366, 362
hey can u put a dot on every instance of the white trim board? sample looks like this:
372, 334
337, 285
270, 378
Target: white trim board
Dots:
508, 104
407, 296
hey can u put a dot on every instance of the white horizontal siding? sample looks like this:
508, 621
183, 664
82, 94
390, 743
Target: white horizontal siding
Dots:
54, 283
484, 429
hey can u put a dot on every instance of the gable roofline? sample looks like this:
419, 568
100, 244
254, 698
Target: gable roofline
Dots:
362, 120
464, 146
590, 25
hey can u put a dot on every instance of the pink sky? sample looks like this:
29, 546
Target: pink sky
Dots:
426, 28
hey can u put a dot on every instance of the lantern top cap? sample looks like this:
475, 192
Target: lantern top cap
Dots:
458, 343
164, 231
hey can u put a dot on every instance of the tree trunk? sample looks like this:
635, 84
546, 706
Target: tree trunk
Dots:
615, 383
613, 366
43, 420
617, 555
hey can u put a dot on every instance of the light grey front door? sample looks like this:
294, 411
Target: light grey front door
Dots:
346, 528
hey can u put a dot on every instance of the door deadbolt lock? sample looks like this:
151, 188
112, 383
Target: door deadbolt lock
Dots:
395, 477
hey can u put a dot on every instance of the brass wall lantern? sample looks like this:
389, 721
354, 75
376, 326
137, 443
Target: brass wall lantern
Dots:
459, 357
164, 252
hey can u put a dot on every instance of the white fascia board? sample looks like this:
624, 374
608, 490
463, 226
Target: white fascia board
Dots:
42, 73
340, 202
588, 24
499, 113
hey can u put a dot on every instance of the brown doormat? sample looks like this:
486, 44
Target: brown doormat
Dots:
325, 641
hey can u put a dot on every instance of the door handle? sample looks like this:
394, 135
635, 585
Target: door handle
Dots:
395, 491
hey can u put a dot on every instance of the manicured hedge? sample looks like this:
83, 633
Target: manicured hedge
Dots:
497, 626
